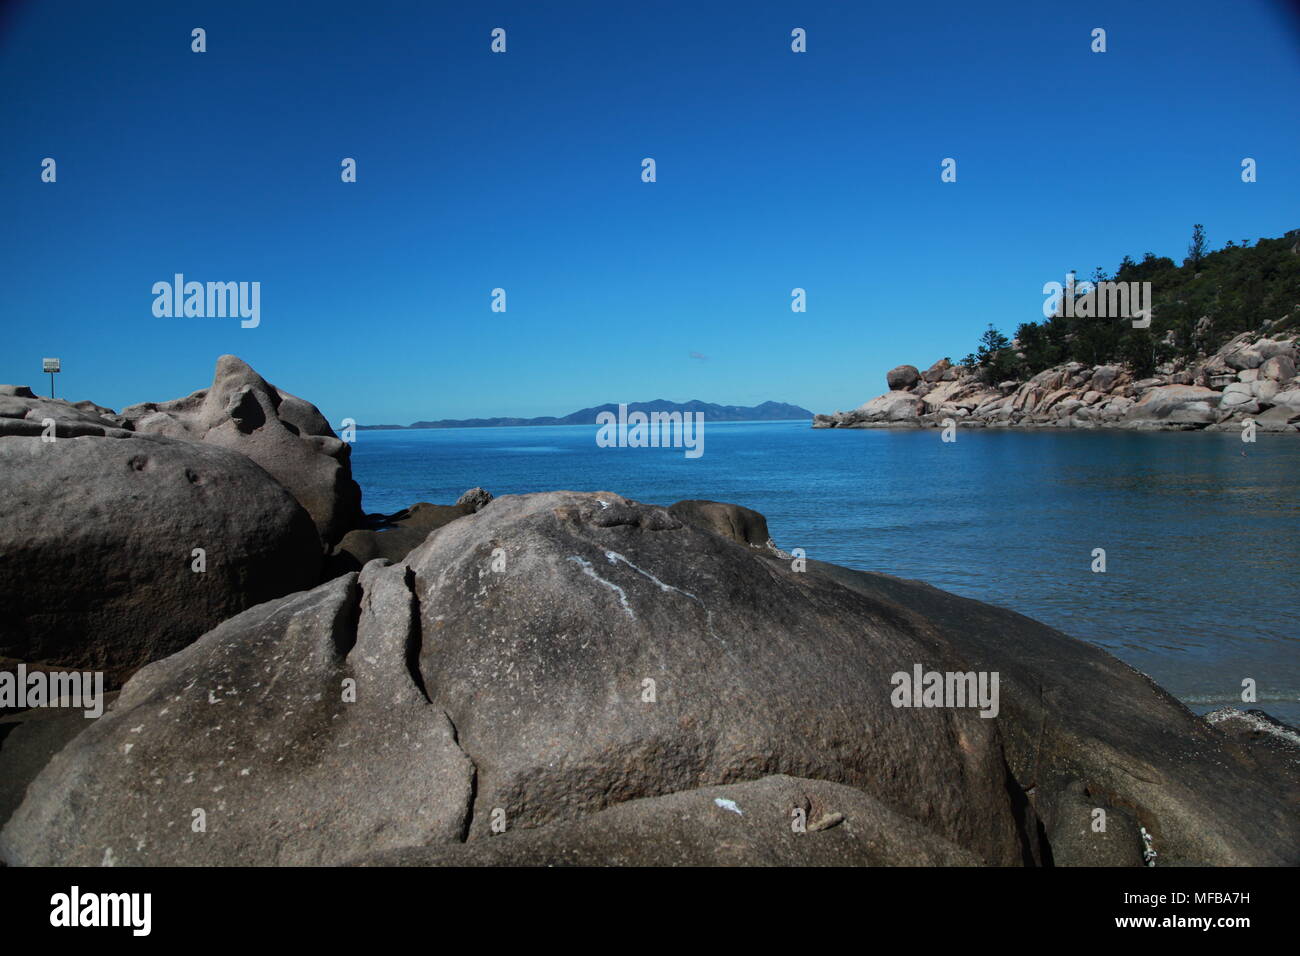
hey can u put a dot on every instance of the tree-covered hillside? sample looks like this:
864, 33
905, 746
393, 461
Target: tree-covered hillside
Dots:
1197, 307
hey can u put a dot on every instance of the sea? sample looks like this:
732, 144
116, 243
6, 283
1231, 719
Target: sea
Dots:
1199, 530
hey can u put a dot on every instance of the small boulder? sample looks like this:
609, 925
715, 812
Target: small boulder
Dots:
1104, 377
733, 522
474, 499
1280, 368
936, 372
1243, 358
902, 377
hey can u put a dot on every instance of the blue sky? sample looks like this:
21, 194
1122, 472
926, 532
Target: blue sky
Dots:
522, 171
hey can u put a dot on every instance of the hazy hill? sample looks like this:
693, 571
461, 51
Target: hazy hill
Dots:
766, 412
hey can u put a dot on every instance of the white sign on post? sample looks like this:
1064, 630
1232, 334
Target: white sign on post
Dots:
50, 365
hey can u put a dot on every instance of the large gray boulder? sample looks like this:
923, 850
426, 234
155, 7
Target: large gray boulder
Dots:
284, 434
1074, 720
294, 733
97, 540
542, 666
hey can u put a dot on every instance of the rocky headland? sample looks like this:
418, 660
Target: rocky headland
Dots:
1252, 376
552, 678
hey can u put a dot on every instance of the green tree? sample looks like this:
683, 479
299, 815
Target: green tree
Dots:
1196, 251
995, 356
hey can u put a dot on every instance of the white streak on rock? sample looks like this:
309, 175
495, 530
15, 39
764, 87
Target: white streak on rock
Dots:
590, 571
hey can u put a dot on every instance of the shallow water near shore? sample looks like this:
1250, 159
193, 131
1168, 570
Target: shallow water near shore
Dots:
1200, 589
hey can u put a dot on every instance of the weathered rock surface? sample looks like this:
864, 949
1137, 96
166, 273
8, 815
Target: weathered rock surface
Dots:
744, 824
252, 726
756, 670
1074, 836
28, 741
96, 546
26, 414
284, 434
1071, 712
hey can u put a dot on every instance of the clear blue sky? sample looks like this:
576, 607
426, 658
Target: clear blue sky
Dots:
522, 171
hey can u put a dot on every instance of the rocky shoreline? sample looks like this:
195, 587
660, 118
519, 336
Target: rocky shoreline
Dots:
1252, 377
541, 679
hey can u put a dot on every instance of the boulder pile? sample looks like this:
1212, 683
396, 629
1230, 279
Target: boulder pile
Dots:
1251, 377
580, 678
124, 537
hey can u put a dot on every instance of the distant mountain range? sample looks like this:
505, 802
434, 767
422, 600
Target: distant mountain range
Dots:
767, 412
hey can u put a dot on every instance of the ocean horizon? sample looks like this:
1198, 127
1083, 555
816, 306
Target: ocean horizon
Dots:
1199, 578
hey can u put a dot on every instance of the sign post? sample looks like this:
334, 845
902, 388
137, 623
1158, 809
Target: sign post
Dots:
50, 365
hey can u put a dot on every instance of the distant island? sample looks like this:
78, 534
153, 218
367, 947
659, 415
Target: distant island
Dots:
767, 412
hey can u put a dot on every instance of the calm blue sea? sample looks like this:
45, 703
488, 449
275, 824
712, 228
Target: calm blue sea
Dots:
1202, 551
